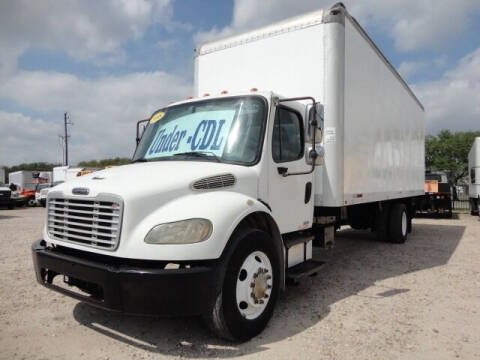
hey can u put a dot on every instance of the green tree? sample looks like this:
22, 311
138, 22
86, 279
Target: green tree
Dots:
36, 166
448, 152
104, 162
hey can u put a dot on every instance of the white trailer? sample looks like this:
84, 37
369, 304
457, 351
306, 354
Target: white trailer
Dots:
296, 129
59, 174
21, 178
474, 176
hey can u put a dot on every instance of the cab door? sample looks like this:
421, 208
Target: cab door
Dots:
291, 196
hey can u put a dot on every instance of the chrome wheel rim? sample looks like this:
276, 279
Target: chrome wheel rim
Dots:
254, 285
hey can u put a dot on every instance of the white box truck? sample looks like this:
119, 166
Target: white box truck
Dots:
296, 129
22, 178
474, 176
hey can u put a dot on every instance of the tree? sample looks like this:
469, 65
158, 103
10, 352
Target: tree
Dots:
36, 166
104, 162
448, 152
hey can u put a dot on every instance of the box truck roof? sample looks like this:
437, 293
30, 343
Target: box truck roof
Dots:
304, 53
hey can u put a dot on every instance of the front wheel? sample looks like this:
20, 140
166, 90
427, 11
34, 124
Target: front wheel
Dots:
250, 289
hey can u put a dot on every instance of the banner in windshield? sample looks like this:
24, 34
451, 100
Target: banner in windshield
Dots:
203, 131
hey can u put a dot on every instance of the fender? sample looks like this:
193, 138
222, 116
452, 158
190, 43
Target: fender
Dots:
225, 209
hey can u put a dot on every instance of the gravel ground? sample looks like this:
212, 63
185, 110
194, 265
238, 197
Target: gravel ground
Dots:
372, 300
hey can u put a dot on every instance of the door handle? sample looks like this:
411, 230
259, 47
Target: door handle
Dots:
282, 170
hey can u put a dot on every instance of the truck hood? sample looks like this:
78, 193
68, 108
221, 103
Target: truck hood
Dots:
164, 179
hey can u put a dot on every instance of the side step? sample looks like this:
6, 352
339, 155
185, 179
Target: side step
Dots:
303, 269
290, 240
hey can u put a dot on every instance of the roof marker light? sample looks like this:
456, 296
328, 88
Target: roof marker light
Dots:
253, 89
190, 98
224, 92
206, 94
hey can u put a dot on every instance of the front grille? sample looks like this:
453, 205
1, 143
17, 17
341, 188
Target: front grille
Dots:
5, 194
214, 182
94, 223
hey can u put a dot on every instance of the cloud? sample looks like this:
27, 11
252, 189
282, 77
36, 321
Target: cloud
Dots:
410, 68
84, 30
453, 101
104, 112
412, 24
24, 140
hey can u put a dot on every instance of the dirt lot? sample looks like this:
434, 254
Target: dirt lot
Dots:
372, 300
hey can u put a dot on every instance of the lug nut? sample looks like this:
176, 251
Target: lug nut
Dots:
269, 286
269, 277
265, 296
252, 285
261, 301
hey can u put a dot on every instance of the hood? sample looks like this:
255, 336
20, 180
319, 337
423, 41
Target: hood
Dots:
142, 180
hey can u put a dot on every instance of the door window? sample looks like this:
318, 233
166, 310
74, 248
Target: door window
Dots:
287, 139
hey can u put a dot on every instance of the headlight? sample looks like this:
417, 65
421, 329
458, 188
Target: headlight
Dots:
14, 195
180, 232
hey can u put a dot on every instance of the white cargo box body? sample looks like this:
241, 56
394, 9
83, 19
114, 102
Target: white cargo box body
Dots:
20, 178
59, 174
374, 124
474, 169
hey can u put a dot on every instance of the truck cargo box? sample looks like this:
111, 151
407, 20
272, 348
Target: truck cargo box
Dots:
474, 169
373, 123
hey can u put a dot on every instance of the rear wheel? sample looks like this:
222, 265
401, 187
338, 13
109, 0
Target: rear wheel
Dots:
250, 289
398, 223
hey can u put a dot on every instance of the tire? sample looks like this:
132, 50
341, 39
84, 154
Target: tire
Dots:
381, 223
226, 319
11, 206
398, 223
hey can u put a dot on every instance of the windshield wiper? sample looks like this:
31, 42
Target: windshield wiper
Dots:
202, 154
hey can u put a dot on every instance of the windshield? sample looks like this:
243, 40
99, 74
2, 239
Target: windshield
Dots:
30, 186
224, 130
42, 186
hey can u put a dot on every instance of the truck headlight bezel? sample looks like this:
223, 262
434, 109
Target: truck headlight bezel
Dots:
188, 231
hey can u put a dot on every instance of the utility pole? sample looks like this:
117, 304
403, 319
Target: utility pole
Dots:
66, 136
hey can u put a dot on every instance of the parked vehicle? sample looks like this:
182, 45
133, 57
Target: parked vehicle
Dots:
438, 195
6, 196
41, 194
474, 176
21, 178
229, 191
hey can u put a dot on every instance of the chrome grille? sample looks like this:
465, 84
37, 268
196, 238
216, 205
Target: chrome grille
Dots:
214, 182
5, 194
93, 222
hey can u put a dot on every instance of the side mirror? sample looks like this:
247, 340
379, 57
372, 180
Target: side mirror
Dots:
318, 154
315, 118
141, 126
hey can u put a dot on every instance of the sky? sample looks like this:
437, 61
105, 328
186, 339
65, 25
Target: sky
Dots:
110, 63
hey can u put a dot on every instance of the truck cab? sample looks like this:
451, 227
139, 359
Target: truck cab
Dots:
213, 185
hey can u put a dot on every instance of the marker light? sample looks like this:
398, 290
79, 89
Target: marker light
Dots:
224, 92
253, 89
206, 94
